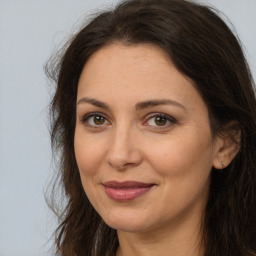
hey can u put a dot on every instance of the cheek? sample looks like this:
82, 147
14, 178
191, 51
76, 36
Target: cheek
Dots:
182, 156
88, 157
183, 165
88, 153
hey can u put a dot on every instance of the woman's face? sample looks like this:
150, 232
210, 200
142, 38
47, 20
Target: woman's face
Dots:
143, 142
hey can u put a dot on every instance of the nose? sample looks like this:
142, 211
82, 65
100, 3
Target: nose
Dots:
123, 151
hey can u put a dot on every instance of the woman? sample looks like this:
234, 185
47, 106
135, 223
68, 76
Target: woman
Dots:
154, 118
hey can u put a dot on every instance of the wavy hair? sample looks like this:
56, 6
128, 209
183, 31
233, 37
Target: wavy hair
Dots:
202, 47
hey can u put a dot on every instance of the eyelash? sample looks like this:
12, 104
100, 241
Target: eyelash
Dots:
168, 118
94, 114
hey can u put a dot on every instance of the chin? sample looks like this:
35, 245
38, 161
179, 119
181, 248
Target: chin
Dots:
127, 226
127, 222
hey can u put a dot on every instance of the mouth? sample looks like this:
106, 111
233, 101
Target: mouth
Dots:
126, 191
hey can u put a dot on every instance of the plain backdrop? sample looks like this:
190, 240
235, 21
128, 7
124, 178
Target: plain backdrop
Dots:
29, 31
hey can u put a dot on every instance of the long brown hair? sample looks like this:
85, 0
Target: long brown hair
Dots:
203, 48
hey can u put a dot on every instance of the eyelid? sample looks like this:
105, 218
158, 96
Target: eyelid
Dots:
169, 118
92, 114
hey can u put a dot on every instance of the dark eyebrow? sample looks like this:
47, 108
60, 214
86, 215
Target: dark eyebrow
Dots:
138, 106
152, 103
94, 102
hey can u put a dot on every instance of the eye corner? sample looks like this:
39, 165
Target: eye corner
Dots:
167, 120
94, 120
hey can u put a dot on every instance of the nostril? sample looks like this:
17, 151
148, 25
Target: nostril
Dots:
123, 161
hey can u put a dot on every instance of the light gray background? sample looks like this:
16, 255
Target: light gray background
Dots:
29, 31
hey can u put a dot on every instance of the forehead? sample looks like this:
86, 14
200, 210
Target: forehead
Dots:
120, 59
135, 72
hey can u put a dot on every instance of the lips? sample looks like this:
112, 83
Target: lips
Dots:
126, 191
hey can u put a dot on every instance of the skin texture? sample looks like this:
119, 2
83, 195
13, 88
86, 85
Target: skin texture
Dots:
127, 143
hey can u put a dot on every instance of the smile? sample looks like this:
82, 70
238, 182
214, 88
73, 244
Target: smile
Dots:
126, 191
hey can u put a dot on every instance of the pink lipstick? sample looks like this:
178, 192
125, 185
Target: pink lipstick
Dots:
125, 191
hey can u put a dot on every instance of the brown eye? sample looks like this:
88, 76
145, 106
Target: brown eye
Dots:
99, 120
160, 121
94, 120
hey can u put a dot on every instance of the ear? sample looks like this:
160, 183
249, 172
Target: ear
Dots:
227, 145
